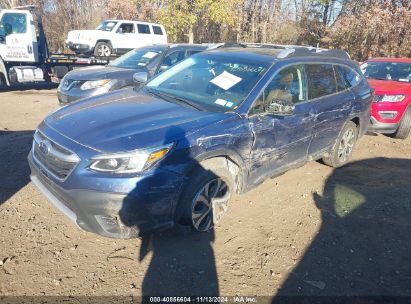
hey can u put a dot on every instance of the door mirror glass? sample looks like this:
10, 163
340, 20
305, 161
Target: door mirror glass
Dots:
2, 33
140, 77
281, 107
163, 67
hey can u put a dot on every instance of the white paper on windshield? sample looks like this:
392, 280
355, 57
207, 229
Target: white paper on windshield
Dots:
229, 104
225, 80
150, 55
110, 24
220, 102
141, 64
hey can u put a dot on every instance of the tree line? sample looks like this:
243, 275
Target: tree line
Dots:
363, 28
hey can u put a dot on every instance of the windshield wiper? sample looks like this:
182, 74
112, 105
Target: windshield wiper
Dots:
175, 98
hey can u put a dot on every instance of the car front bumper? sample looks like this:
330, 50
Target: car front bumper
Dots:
80, 47
150, 206
382, 127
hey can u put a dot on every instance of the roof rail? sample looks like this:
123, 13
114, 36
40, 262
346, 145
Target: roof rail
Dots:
223, 45
279, 46
30, 7
312, 52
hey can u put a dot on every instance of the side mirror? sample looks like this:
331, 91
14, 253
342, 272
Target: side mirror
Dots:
163, 67
281, 107
2, 34
140, 77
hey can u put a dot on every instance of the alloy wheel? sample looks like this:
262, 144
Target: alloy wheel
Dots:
213, 196
346, 145
104, 51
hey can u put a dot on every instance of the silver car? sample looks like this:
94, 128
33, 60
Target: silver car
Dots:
118, 74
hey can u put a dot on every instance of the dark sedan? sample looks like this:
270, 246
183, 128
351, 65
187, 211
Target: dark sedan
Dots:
118, 74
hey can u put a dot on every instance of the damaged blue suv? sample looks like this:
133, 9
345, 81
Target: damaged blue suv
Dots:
218, 123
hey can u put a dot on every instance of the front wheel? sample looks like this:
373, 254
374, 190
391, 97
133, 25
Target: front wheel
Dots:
102, 49
404, 128
342, 150
206, 197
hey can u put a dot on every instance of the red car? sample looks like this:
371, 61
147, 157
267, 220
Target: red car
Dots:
391, 109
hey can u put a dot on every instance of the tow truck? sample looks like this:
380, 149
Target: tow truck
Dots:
24, 53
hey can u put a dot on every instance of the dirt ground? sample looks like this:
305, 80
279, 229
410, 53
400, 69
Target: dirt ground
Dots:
311, 231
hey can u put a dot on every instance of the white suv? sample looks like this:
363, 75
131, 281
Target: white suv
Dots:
115, 36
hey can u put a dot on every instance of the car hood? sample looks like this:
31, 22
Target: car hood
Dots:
126, 120
390, 87
81, 35
101, 72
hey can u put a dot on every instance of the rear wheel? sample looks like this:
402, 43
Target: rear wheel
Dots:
205, 199
405, 126
102, 49
342, 150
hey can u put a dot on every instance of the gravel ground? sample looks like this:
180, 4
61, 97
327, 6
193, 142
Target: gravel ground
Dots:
311, 231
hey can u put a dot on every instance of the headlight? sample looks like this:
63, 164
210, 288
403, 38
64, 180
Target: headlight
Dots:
92, 84
389, 98
129, 162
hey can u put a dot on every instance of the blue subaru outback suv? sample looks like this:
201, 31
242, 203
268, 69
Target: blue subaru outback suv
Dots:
218, 123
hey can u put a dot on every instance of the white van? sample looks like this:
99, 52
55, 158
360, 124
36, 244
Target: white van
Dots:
116, 37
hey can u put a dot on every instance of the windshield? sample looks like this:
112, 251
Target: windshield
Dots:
396, 71
136, 58
107, 26
210, 82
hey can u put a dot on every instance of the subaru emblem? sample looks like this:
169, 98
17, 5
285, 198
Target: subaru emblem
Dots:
45, 147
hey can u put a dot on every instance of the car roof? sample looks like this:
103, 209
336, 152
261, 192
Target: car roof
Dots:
268, 55
132, 21
187, 45
272, 53
390, 59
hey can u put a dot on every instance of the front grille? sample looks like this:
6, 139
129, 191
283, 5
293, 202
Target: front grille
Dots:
54, 158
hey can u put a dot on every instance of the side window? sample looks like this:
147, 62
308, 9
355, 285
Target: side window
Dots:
288, 86
126, 28
14, 23
143, 28
322, 80
172, 59
351, 78
341, 84
157, 30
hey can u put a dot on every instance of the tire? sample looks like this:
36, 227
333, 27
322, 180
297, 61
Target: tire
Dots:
103, 49
343, 147
405, 126
210, 182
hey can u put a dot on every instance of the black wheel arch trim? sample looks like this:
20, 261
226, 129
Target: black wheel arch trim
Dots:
229, 154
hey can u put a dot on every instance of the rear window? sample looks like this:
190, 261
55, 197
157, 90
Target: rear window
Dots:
321, 80
157, 30
143, 28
